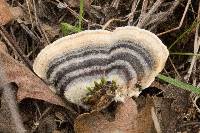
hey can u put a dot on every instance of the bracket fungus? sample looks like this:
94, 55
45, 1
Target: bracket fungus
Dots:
130, 56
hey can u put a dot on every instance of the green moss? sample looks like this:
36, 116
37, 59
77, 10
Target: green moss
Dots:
103, 88
68, 29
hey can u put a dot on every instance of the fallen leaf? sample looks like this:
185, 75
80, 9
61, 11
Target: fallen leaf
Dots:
125, 120
29, 85
7, 13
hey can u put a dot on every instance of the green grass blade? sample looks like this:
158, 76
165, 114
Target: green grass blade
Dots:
179, 84
81, 14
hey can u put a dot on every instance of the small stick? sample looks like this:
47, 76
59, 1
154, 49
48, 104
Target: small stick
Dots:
133, 9
112, 20
196, 49
29, 32
42, 32
176, 71
115, 4
144, 9
155, 120
161, 16
64, 5
181, 22
14, 45
148, 15
29, 11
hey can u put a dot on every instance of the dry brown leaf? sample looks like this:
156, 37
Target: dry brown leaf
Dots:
7, 13
29, 85
125, 120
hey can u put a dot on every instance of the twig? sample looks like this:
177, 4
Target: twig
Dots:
133, 9
115, 4
194, 103
41, 116
47, 110
181, 22
37, 108
155, 120
42, 32
149, 14
16, 47
162, 16
35, 11
196, 48
159, 17
190, 124
198, 85
144, 10
179, 76
29, 11
112, 20
30, 33
64, 5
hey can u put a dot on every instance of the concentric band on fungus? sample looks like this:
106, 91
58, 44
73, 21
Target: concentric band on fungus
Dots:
126, 52
84, 52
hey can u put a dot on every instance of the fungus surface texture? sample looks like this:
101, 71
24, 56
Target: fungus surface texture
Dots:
130, 56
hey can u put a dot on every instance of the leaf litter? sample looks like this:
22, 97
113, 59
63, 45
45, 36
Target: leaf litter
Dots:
42, 110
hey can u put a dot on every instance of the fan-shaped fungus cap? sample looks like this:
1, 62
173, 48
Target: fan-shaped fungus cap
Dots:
130, 56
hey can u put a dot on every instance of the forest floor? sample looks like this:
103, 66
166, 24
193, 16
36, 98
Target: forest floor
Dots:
27, 26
